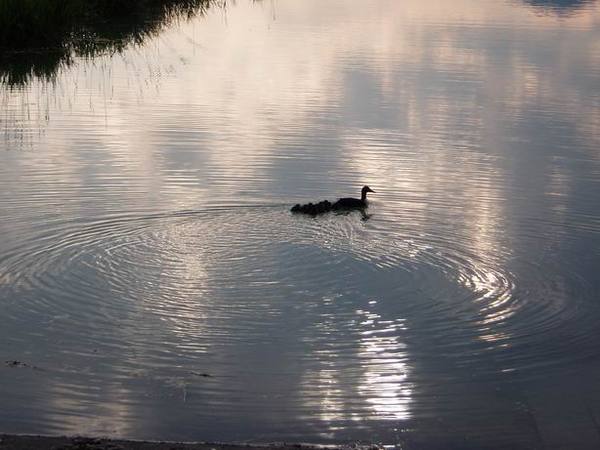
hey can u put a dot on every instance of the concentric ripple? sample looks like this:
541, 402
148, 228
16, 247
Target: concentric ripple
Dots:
228, 274
154, 285
320, 321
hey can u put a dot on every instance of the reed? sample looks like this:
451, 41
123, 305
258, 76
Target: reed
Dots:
26, 24
37, 37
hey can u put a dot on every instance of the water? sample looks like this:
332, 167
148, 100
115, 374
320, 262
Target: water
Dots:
154, 285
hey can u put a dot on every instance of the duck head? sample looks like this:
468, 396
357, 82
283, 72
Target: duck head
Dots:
364, 191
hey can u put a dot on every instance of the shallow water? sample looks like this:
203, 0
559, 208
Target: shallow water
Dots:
154, 285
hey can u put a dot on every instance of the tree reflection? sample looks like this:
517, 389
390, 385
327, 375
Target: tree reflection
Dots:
559, 6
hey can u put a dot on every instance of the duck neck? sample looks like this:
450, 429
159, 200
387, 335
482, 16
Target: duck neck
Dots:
363, 196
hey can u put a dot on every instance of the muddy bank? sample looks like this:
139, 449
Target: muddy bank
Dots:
12, 442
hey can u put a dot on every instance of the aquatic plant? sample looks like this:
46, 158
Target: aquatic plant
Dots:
31, 23
39, 36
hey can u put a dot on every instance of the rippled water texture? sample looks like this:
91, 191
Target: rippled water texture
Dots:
153, 283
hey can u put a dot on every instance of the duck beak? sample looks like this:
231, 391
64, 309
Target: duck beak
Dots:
371, 190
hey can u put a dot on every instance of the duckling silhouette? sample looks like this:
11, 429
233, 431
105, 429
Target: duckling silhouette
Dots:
347, 203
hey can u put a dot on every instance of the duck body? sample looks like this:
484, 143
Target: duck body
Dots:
347, 203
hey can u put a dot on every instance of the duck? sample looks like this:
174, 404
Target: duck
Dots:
353, 203
347, 203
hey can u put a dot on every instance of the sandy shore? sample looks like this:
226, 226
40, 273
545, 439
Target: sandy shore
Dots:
12, 442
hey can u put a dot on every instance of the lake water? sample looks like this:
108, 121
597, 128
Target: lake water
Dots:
154, 285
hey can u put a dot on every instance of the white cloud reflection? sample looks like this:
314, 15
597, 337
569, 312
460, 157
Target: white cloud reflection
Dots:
425, 101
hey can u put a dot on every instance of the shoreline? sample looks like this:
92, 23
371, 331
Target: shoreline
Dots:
35, 442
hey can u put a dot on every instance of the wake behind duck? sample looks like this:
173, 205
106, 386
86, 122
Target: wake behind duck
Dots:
347, 203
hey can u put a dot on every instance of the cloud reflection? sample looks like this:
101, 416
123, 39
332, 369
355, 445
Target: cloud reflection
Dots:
446, 108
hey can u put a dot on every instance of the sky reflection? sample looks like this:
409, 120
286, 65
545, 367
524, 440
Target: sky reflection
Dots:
385, 384
146, 233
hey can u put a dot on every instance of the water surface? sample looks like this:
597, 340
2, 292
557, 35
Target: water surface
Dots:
154, 285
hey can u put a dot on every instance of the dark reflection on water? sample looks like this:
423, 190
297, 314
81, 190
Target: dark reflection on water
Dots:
561, 6
155, 284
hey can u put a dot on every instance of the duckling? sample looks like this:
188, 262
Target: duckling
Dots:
313, 209
341, 204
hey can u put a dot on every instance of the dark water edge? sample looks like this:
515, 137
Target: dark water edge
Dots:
17, 442
38, 38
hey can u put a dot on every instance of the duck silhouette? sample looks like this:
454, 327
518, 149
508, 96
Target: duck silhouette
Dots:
347, 203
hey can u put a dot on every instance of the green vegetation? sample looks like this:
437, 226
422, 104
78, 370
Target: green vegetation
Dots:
39, 36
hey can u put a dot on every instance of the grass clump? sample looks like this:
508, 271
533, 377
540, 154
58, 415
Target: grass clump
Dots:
38, 36
46, 23
36, 23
